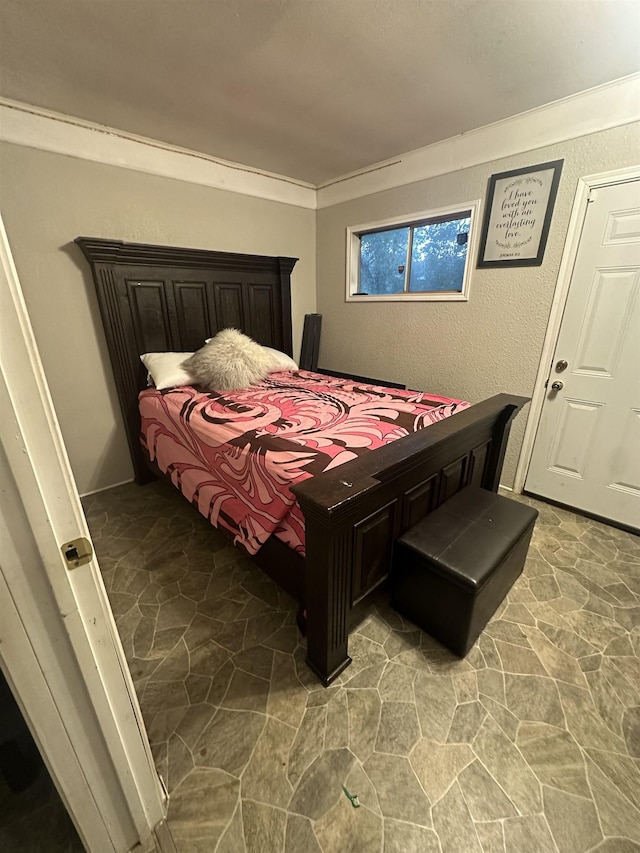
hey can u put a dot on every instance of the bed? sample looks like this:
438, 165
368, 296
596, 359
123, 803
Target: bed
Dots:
164, 298
237, 455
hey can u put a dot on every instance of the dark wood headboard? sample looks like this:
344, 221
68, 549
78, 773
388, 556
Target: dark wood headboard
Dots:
170, 299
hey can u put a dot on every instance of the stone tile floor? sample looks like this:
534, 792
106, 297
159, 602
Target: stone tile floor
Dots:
530, 744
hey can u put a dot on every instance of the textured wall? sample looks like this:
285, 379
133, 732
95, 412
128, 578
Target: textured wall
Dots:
47, 201
473, 349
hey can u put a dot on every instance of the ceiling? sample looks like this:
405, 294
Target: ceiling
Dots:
310, 89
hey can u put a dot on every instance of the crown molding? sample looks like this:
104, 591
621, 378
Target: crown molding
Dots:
607, 106
34, 127
610, 105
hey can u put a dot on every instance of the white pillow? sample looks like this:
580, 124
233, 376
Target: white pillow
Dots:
166, 370
229, 361
280, 360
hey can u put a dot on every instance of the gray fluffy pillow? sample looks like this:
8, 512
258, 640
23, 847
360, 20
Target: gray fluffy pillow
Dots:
228, 362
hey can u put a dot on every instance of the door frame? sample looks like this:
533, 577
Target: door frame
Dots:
572, 244
28, 684
69, 674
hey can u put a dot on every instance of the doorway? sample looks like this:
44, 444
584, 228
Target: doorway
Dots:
32, 814
586, 452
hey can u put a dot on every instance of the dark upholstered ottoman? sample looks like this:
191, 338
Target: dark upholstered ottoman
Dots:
451, 571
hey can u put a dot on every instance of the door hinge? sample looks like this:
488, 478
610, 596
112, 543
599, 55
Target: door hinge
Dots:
78, 552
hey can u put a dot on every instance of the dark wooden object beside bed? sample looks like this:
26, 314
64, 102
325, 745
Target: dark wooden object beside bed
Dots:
162, 298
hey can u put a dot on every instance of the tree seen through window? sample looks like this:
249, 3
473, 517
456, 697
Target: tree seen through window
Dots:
424, 257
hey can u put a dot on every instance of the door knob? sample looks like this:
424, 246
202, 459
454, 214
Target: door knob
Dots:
557, 385
561, 365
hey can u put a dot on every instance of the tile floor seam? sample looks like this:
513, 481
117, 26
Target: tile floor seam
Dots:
474, 822
489, 773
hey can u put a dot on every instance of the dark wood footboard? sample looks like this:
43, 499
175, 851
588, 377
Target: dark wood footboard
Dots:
354, 514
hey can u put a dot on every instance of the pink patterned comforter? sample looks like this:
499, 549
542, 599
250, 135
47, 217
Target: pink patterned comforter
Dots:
234, 455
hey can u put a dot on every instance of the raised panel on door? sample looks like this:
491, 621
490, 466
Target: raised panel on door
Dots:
626, 471
606, 322
570, 448
623, 226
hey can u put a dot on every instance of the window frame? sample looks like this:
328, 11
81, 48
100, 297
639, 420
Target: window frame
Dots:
354, 232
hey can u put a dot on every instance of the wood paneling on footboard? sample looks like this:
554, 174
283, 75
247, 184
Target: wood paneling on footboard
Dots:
354, 513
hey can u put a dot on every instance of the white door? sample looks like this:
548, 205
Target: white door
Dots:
587, 448
59, 647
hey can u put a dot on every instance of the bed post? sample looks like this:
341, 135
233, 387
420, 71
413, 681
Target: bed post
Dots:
327, 591
285, 268
493, 470
310, 342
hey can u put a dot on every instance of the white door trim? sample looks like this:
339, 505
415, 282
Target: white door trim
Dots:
85, 670
572, 243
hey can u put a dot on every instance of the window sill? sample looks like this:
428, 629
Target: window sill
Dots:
435, 296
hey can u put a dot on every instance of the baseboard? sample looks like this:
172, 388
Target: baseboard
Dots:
106, 488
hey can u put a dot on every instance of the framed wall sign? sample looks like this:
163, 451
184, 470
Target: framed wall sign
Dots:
518, 215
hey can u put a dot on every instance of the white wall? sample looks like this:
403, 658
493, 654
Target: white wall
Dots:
468, 350
50, 199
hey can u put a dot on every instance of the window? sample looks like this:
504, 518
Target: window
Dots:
421, 257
